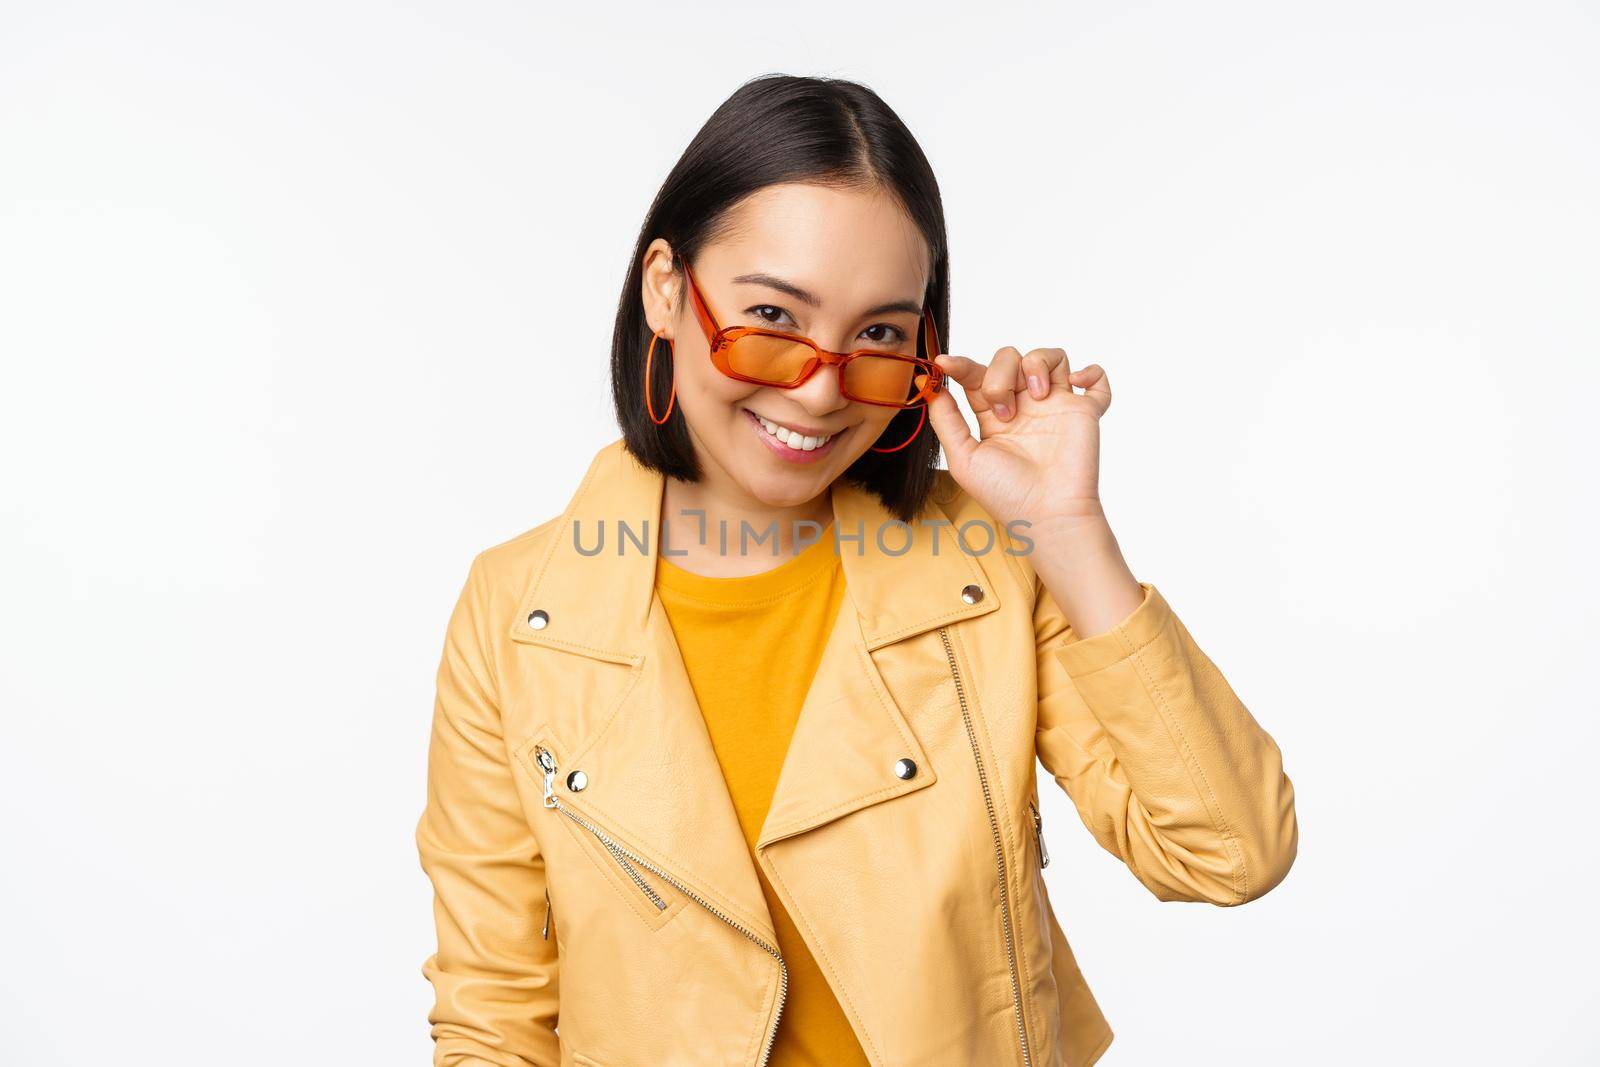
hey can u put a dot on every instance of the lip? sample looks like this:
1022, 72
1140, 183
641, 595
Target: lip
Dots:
803, 431
783, 451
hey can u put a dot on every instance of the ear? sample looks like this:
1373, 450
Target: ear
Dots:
660, 289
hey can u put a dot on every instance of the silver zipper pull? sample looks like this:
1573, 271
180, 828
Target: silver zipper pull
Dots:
547, 763
546, 931
1038, 834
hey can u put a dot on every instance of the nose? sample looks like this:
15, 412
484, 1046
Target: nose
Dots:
821, 393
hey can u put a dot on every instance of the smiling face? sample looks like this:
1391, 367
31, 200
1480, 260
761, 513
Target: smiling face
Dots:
817, 261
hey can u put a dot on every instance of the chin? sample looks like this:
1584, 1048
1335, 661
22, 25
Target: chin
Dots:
787, 490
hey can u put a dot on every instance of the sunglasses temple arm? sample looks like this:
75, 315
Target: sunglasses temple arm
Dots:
933, 347
921, 418
701, 312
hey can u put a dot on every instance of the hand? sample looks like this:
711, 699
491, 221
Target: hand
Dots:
1038, 458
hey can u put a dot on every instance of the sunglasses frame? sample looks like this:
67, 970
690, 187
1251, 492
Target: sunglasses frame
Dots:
722, 337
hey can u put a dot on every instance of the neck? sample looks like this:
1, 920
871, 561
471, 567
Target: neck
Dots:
716, 513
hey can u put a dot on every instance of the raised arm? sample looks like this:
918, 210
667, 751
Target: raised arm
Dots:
1166, 766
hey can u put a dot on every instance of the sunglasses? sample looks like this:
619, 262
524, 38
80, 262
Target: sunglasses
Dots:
787, 361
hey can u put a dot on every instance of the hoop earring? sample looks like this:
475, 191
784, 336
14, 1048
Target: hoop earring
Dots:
672, 397
920, 420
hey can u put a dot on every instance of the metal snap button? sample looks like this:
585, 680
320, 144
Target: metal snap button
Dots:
538, 620
972, 594
576, 781
904, 768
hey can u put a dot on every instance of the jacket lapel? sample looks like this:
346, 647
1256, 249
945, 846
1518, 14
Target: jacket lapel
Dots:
655, 780
851, 731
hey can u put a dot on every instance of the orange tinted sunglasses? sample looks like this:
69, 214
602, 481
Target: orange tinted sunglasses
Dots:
787, 361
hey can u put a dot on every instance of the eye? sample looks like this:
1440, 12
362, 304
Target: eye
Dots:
895, 336
760, 311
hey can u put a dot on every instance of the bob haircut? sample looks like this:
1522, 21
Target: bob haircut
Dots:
782, 128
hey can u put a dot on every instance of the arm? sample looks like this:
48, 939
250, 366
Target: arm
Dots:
494, 976
1166, 766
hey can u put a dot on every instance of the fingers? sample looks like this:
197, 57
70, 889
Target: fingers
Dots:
1095, 385
1043, 368
967, 373
1002, 381
992, 388
997, 387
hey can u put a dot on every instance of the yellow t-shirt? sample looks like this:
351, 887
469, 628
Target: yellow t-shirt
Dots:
751, 645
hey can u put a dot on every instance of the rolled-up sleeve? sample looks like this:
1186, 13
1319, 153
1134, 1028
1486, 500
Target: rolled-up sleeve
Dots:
1167, 767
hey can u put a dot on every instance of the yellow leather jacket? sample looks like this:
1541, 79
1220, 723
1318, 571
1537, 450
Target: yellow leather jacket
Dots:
588, 867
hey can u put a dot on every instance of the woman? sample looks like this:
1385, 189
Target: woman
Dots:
733, 762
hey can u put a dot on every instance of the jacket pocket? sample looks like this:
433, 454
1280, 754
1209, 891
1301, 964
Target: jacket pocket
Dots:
654, 904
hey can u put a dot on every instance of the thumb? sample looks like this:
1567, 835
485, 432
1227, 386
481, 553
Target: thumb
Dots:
951, 426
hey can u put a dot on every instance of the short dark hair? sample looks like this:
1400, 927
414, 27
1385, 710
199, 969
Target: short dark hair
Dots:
781, 128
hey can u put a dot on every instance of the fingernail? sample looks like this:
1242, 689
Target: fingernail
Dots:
1003, 411
1034, 387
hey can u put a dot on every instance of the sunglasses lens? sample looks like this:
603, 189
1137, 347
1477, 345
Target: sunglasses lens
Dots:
769, 359
882, 379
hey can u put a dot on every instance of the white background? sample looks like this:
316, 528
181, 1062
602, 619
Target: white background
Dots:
302, 305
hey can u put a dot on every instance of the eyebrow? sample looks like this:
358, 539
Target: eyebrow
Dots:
806, 297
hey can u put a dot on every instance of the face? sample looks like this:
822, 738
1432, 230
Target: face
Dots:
802, 259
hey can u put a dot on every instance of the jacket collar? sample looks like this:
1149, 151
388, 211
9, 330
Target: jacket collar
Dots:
597, 604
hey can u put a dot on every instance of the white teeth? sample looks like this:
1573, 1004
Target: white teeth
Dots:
790, 437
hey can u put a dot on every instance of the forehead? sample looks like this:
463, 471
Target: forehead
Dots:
847, 245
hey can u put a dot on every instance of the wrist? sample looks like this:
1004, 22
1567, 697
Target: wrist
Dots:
1081, 565
1083, 526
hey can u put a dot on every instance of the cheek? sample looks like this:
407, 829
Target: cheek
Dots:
706, 395
876, 417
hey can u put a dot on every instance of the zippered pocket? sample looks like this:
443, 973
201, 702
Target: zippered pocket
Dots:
1038, 834
545, 764
636, 891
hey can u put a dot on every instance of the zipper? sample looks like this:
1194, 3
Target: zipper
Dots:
1038, 834
545, 933
999, 849
547, 763
612, 847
